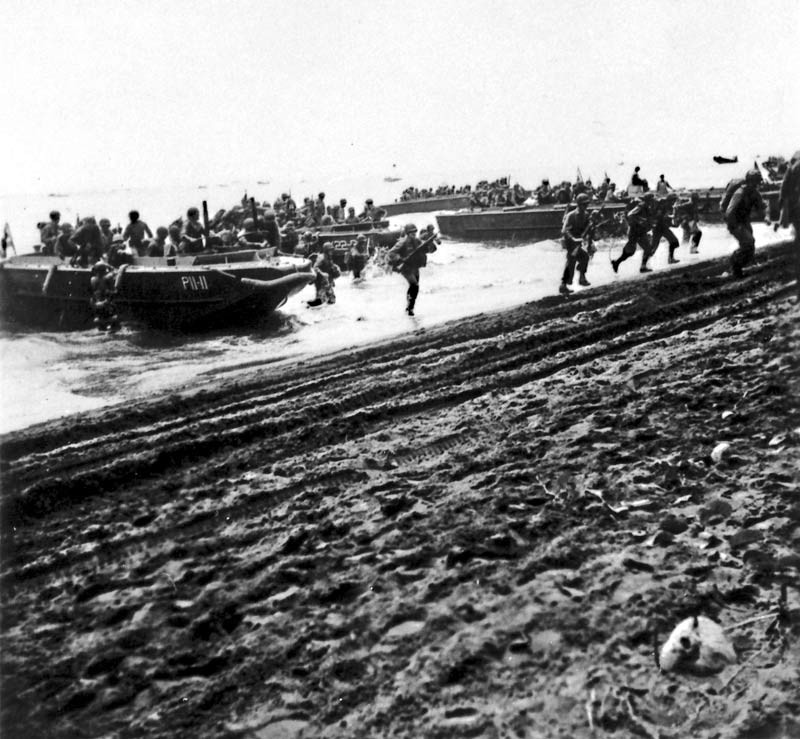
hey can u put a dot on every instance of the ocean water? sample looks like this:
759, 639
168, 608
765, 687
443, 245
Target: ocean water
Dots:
160, 205
48, 374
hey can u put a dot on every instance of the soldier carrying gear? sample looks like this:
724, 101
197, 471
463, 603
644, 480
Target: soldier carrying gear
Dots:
578, 226
662, 219
686, 214
638, 226
745, 199
407, 257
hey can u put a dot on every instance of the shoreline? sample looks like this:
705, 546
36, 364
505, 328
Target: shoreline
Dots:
468, 530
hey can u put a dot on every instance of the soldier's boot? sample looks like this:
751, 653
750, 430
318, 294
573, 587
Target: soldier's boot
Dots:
410, 301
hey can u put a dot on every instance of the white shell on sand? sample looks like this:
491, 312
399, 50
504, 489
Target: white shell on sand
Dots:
697, 645
719, 451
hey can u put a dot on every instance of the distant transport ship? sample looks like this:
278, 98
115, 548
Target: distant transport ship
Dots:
183, 292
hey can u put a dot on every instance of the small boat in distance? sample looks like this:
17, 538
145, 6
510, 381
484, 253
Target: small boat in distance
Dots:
392, 179
726, 160
183, 292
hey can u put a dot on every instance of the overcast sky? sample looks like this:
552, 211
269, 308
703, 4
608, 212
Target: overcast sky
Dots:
148, 92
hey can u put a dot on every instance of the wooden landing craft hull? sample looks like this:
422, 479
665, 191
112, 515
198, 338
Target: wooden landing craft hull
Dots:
344, 241
536, 223
361, 226
541, 222
191, 293
427, 205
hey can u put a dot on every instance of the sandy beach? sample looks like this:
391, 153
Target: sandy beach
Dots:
477, 529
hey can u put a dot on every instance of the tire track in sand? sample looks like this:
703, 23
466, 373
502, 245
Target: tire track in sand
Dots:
519, 354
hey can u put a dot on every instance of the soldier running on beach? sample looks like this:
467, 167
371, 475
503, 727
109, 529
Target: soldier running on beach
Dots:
662, 220
687, 216
789, 206
578, 227
745, 200
638, 227
407, 257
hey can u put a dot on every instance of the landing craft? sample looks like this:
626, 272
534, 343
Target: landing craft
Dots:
165, 292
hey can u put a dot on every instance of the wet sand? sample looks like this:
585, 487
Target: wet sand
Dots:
479, 529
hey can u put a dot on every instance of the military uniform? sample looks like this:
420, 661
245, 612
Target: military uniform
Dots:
737, 217
359, 253
578, 225
326, 274
661, 228
638, 228
687, 216
89, 243
789, 206
408, 256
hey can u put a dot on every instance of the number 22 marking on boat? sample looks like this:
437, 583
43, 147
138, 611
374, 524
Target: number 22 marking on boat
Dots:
194, 283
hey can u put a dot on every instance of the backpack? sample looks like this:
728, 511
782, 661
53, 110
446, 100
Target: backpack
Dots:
730, 188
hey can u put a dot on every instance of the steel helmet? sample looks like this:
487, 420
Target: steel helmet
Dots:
582, 199
410, 228
753, 175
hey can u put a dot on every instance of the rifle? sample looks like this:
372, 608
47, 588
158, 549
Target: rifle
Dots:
594, 214
206, 228
398, 264
592, 225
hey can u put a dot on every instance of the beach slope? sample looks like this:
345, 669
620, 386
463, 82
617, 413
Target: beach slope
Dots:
480, 529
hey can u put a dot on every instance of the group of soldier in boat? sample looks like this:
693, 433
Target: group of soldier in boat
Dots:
245, 226
648, 218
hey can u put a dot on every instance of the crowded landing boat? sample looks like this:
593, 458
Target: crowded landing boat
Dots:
241, 264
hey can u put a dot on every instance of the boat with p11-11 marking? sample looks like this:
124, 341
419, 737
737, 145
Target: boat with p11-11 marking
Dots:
181, 292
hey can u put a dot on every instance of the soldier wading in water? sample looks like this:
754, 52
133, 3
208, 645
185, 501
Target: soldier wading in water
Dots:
407, 257
103, 307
